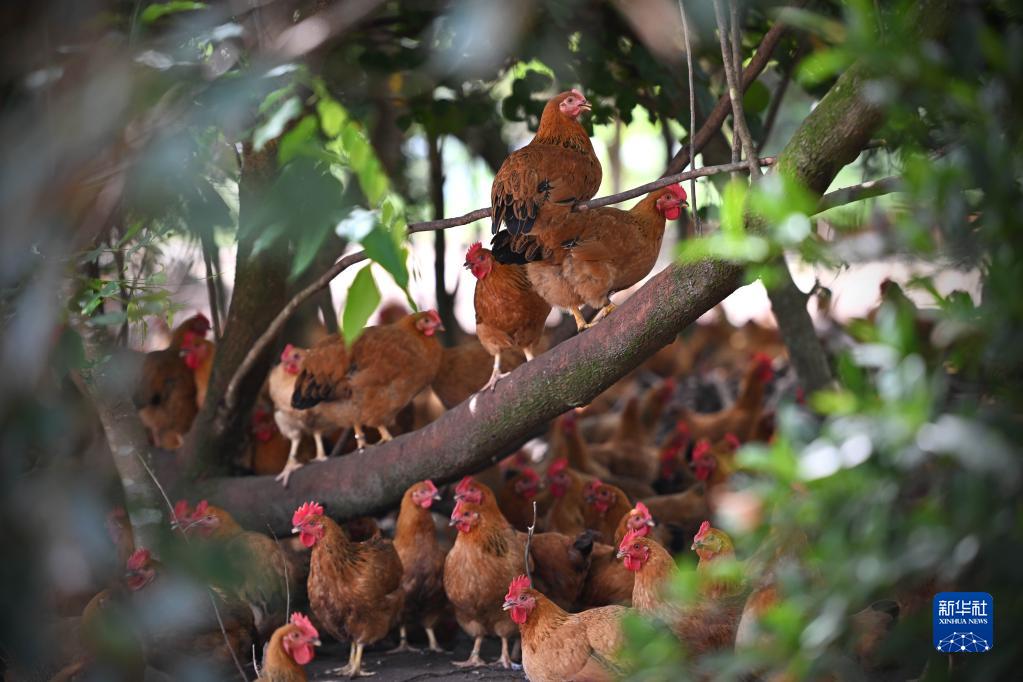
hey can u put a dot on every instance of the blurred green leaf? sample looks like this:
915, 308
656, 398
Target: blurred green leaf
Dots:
157, 10
363, 298
275, 125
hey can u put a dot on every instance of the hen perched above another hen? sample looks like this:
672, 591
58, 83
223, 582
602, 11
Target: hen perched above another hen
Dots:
558, 166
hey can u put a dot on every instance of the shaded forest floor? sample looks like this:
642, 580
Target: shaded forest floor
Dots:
407, 666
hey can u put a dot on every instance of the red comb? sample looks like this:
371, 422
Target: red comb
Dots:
629, 537
641, 508
701, 449
182, 512
517, 587
677, 191
288, 350
733, 441
703, 532
138, 559
305, 625
557, 466
464, 484
473, 251
306, 511
529, 473
430, 486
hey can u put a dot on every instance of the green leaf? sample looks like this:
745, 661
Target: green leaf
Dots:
821, 66
379, 246
732, 210
332, 116
291, 108
296, 140
160, 9
756, 98
363, 298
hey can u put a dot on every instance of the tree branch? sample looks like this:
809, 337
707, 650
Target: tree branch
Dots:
490, 425
864, 190
256, 350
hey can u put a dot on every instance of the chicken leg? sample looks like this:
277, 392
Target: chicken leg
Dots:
505, 659
474, 660
434, 646
608, 308
354, 668
321, 452
403, 645
385, 435
360, 437
495, 376
292, 464
580, 321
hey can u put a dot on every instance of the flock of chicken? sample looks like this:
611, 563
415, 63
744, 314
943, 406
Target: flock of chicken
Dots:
616, 493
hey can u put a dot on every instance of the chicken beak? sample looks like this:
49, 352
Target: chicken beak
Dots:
586, 106
452, 522
650, 522
508, 606
315, 642
621, 554
295, 531
436, 496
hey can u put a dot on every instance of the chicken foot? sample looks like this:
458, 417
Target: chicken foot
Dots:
608, 308
321, 452
404, 645
354, 667
474, 660
495, 376
360, 437
505, 660
434, 646
385, 435
580, 321
291, 465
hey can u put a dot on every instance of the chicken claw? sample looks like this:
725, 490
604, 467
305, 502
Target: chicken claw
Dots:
474, 660
404, 645
291, 465
434, 646
580, 321
505, 660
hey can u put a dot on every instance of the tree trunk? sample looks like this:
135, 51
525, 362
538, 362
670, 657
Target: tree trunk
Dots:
445, 300
260, 292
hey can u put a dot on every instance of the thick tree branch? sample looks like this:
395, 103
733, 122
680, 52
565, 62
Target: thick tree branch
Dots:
490, 425
257, 349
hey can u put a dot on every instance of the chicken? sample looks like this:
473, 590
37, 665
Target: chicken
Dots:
463, 371
256, 567
290, 648
355, 588
268, 448
627, 454
561, 562
641, 521
517, 496
166, 394
606, 504
557, 645
558, 166
198, 354
714, 464
177, 641
295, 423
422, 560
601, 428
608, 581
673, 473
566, 486
708, 623
509, 314
580, 457
681, 512
602, 251
385, 369
741, 418
488, 553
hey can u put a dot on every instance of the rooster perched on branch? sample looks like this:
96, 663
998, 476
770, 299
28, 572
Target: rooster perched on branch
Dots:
557, 167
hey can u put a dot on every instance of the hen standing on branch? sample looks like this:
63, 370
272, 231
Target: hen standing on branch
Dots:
294, 423
598, 252
509, 314
386, 367
557, 167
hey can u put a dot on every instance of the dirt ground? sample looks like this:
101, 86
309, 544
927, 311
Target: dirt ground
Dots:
413, 666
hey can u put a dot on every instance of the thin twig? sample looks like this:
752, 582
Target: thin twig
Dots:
529, 540
287, 588
207, 245
261, 344
779, 97
209, 590
864, 190
692, 116
739, 126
